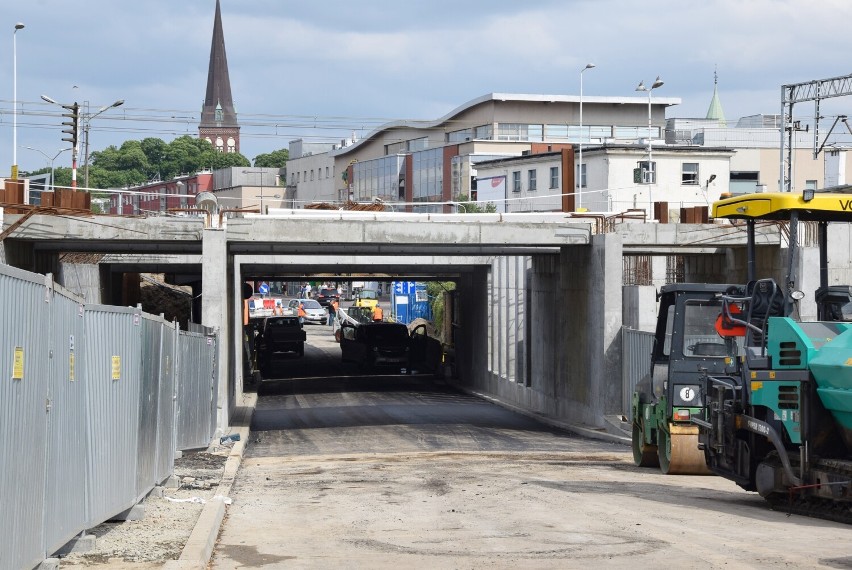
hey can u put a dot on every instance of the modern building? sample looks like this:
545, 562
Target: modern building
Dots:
427, 165
218, 117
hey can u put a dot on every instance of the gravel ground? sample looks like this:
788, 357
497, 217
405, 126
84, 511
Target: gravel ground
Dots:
161, 534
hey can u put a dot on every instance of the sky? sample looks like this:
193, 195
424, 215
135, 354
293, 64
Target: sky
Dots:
323, 70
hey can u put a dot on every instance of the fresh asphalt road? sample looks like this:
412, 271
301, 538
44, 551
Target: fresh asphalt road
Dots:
348, 471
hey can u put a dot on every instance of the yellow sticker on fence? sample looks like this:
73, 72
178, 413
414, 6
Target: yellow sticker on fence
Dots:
18, 364
71, 367
116, 368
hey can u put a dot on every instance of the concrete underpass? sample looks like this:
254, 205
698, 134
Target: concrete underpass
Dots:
539, 298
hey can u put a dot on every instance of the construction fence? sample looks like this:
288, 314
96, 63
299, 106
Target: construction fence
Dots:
636, 348
94, 402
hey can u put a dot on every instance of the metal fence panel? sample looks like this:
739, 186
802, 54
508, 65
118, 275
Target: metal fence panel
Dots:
65, 494
636, 349
195, 398
166, 402
146, 458
24, 362
212, 368
113, 369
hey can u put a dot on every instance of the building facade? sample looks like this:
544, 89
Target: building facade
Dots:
427, 165
155, 198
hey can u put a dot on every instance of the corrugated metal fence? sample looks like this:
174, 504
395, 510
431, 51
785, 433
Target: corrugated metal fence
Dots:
90, 397
636, 348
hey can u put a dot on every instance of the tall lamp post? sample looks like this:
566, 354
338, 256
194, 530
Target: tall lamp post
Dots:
49, 159
18, 26
580, 167
87, 121
652, 172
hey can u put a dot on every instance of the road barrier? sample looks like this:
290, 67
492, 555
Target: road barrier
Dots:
94, 402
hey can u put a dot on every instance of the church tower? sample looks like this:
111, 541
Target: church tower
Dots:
218, 117
715, 110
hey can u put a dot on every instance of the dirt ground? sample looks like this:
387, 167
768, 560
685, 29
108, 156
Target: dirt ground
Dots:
162, 533
492, 510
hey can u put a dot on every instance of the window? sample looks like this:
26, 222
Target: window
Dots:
645, 172
460, 136
484, 132
689, 173
810, 184
554, 177
531, 178
312, 175
326, 171
519, 132
516, 181
581, 175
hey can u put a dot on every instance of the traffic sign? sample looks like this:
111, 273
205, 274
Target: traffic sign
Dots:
263, 289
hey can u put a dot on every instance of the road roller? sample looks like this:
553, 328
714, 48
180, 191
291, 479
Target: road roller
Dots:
690, 341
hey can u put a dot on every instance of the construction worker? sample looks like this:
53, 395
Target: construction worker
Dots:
377, 313
332, 309
302, 313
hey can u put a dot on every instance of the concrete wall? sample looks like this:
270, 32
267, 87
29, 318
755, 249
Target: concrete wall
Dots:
571, 368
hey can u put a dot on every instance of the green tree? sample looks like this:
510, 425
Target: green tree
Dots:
468, 207
274, 159
435, 290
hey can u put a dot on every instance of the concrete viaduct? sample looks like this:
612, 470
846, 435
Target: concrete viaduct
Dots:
540, 296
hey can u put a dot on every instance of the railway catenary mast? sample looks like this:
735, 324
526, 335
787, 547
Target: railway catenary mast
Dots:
815, 91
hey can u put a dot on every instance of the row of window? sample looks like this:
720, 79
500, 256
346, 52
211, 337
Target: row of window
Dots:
532, 179
554, 133
296, 177
645, 174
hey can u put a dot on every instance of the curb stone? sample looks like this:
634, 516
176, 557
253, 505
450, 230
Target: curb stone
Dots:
199, 547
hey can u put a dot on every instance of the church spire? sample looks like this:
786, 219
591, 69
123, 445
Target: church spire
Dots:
715, 110
218, 117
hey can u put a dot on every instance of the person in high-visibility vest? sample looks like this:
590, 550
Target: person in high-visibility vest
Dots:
377, 313
302, 313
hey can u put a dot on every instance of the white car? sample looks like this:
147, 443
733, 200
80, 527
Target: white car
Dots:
314, 312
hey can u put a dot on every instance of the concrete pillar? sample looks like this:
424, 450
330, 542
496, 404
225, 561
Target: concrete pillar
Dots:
214, 308
588, 352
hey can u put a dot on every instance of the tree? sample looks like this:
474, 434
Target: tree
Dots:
137, 162
468, 207
274, 159
435, 290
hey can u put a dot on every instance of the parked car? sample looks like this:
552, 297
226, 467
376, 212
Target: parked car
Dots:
326, 296
314, 312
376, 344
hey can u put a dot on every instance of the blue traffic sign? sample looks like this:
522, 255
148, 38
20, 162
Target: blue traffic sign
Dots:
263, 289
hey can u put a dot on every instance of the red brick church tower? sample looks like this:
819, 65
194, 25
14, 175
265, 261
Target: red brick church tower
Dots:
218, 117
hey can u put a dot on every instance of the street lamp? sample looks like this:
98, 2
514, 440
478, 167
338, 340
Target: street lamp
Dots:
580, 167
18, 26
87, 119
52, 183
652, 172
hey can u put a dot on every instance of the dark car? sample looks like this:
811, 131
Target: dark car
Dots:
279, 335
376, 344
326, 296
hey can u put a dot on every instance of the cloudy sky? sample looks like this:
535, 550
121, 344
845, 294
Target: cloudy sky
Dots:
319, 70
